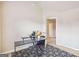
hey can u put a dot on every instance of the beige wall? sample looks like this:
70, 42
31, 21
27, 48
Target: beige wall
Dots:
0, 26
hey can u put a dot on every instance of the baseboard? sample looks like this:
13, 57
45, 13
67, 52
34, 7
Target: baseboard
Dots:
67, 49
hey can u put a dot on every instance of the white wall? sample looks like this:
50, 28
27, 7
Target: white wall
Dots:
68, 29
48, 14
67, 26
20, 19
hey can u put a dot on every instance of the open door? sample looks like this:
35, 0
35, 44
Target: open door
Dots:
51, 31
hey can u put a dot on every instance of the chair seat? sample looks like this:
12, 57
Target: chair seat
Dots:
40, 42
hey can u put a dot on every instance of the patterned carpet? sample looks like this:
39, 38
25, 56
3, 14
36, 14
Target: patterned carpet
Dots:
41, 51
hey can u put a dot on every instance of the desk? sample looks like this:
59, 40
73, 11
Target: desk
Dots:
31, 40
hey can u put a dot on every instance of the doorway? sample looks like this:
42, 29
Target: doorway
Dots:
51, 31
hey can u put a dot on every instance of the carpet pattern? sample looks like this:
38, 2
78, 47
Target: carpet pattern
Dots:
41, 51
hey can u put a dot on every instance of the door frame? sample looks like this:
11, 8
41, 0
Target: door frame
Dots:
47, 30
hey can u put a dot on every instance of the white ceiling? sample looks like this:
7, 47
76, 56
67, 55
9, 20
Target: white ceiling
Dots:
59, 5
